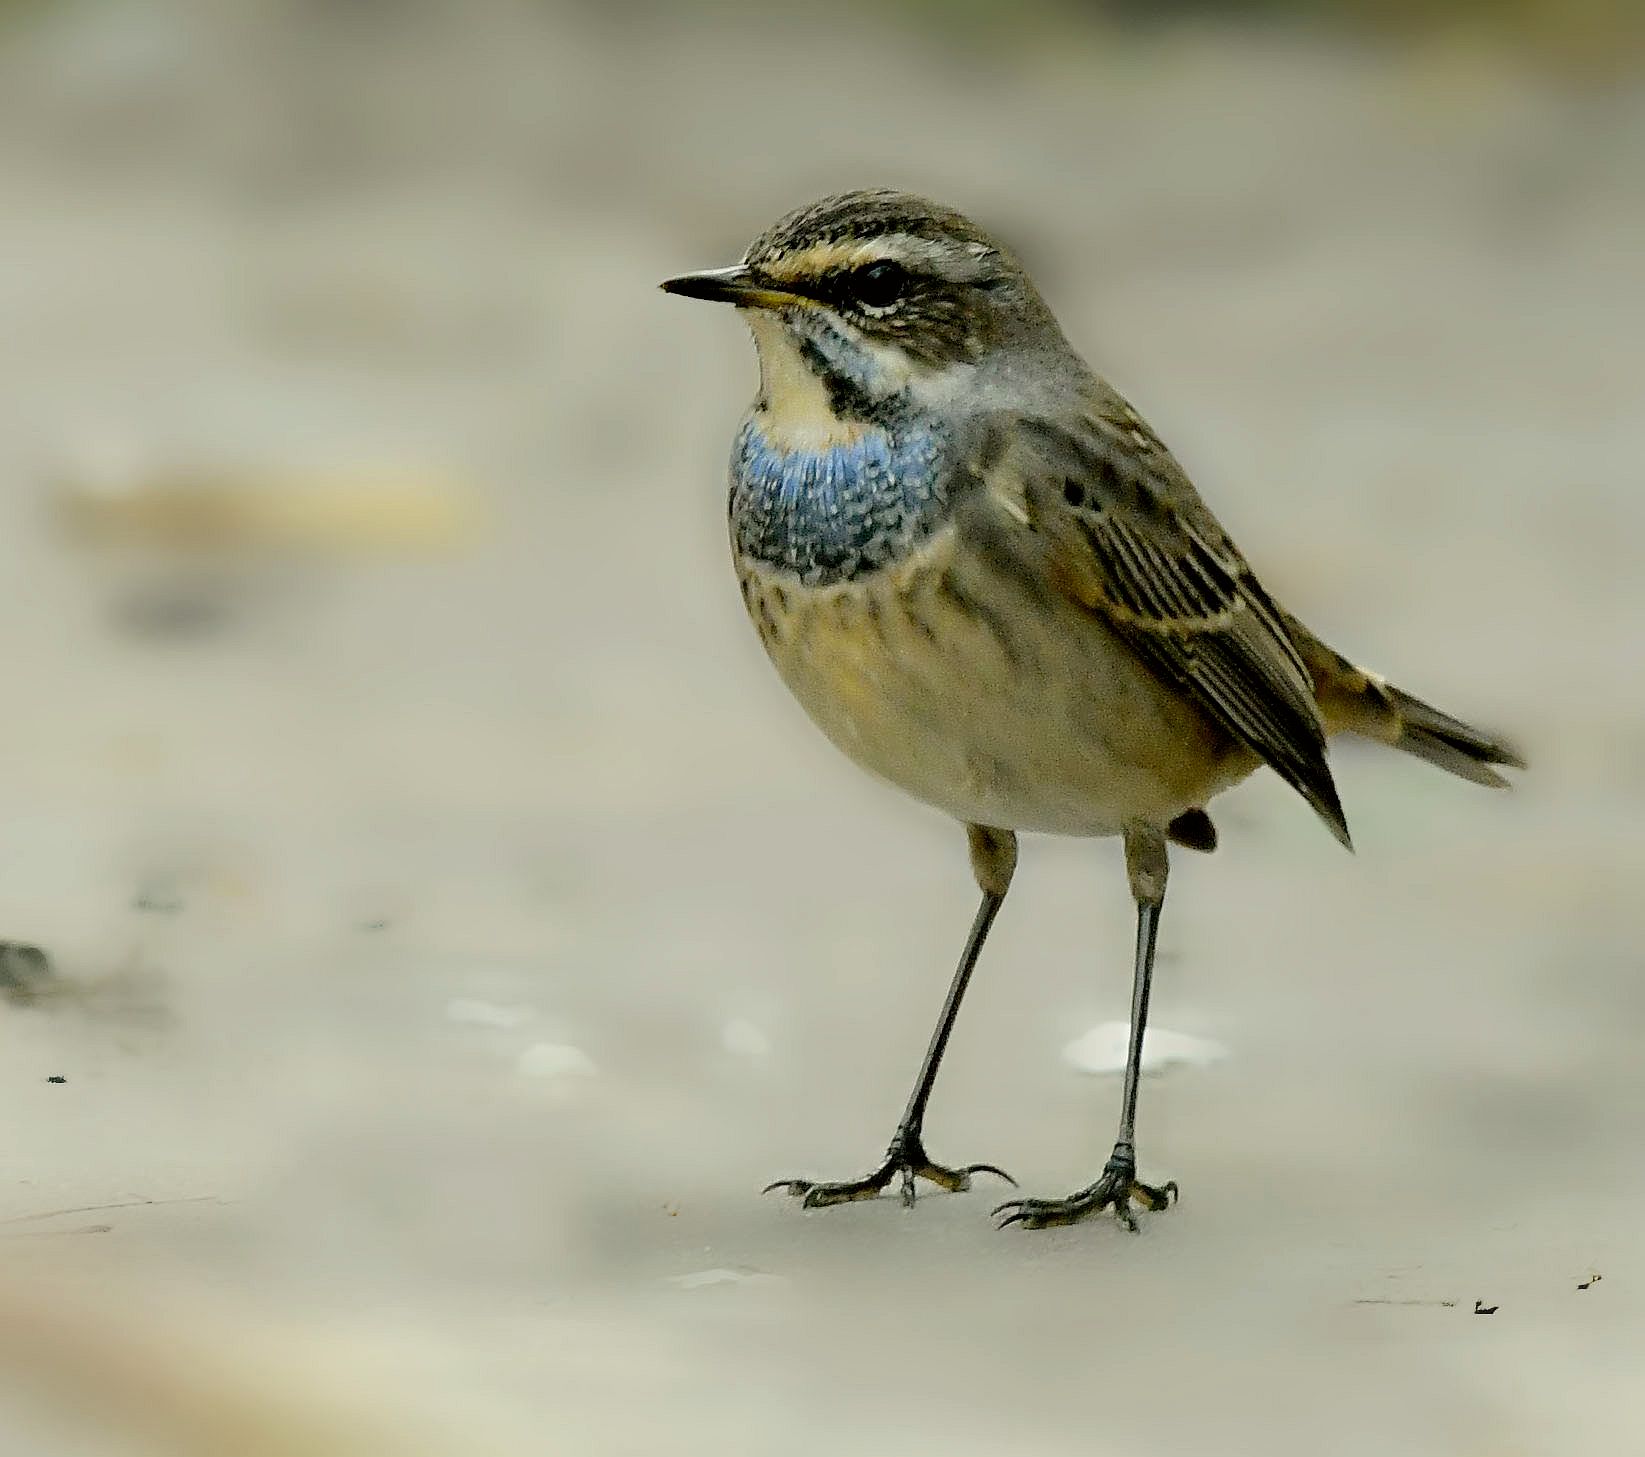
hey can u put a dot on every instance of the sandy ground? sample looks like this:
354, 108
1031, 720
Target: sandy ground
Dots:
336, 854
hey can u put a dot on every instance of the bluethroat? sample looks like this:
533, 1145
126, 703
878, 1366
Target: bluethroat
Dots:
989, 582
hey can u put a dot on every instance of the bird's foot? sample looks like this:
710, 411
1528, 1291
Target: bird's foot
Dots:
906, 1158
1117, 1188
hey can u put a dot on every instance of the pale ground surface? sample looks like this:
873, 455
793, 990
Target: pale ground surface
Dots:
1388, 315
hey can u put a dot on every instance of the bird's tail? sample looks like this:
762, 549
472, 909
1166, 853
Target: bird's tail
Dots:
1423, 730
1356, 700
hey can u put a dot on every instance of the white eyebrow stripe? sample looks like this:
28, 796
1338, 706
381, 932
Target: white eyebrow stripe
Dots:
961, 262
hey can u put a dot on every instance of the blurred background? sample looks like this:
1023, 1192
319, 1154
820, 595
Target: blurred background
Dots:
427, 922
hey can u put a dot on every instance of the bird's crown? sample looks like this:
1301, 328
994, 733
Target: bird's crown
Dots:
870, 216
901, 270
884, 269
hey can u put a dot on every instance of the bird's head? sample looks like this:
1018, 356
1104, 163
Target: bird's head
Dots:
869, 301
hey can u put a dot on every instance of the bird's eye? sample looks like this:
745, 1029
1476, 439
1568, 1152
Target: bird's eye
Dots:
879, 285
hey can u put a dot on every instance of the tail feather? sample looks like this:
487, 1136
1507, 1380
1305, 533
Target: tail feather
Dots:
1356, 700
1449, 743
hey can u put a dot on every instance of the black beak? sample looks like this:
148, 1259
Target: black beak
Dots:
735, 285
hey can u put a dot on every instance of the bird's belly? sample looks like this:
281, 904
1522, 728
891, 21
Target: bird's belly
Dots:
996, 705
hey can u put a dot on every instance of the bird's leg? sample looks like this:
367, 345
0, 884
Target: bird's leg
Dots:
993, 859
1117, 1187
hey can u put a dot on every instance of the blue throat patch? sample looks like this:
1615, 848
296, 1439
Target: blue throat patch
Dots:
841, 511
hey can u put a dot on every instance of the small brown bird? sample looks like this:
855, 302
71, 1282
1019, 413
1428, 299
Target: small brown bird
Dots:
990, 583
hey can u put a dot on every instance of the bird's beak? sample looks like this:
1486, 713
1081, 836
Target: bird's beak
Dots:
735, 285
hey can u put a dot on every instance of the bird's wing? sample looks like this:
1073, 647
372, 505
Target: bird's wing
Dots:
1123, 533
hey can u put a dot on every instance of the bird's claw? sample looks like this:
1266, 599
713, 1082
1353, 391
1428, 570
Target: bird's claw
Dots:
1117, 1188
906, 1158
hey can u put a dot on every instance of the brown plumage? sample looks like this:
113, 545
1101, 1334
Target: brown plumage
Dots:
1129, 538
989, 583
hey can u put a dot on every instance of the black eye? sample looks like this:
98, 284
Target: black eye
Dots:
879, 285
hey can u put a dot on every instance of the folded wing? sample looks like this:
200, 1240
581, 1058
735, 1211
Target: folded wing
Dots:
1126, 536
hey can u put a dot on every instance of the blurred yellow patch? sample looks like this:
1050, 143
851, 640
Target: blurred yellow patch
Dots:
207, 508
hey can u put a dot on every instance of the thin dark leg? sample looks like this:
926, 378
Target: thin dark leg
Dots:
1142, 981
913, 1118
993, 855
1118, 1185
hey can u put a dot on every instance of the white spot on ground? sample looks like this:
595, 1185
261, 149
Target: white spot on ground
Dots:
698, 1279
555, 1060
1102, 1050
467, 1012
741, 1038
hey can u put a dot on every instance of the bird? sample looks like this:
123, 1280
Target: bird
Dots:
988, 581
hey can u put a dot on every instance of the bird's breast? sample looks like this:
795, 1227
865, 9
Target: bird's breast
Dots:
996, 703
831, 509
